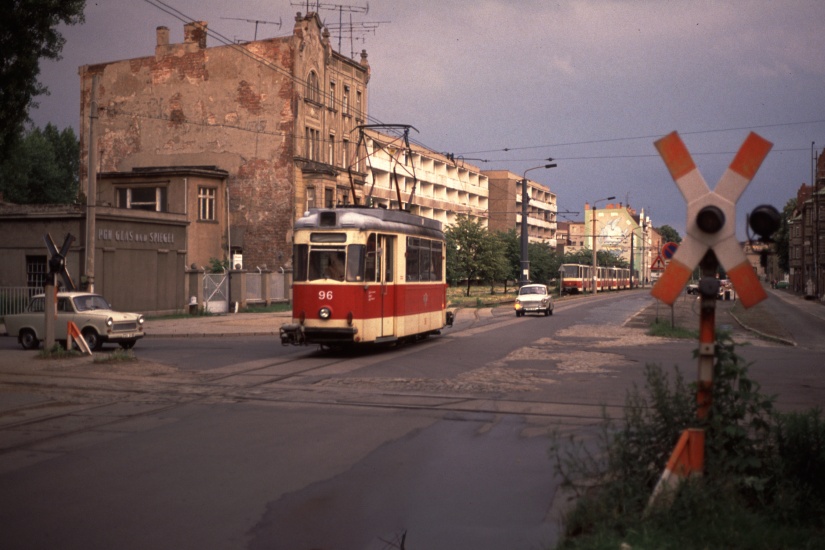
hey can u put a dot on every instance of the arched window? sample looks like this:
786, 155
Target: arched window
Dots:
313, 91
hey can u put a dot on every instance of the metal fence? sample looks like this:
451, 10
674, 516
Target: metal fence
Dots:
277, 287
254, 287
14, 299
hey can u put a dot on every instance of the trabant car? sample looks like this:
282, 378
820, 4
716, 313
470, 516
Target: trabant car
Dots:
534, 298
97, 321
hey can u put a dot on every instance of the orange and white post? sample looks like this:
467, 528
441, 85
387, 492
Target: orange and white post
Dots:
708, 245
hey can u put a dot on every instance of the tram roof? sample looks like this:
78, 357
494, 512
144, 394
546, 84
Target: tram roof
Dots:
369, 218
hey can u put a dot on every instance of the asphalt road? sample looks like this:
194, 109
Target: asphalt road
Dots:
237, 442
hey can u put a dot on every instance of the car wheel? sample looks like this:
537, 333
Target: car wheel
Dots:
128, 344
28, 339
550, 311
92, 339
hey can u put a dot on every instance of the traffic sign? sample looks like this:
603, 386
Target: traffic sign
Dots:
658, 264
711, 218
669, 249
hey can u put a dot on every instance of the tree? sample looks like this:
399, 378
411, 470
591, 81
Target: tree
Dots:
28, 32
511, 246
782, 237
494, 264
42, 168
465, 250
669, 235
544, 264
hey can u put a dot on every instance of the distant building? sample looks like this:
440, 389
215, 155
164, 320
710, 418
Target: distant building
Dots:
624, 233
430, 184
806, 230
506, 207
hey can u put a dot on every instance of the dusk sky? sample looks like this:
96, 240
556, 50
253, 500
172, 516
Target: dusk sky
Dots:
506, 84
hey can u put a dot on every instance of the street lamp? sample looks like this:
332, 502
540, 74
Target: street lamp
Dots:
525, 200
595, 261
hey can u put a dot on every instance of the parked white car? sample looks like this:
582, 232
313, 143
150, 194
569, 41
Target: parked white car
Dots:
97, 321
534, 298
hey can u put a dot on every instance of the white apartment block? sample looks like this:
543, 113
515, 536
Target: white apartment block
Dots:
434, 185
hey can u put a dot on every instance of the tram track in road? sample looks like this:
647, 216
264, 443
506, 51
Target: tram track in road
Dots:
62, 413
79, 398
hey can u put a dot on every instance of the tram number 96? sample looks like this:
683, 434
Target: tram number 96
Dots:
325, 295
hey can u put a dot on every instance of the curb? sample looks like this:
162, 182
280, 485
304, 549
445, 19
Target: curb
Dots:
762, 334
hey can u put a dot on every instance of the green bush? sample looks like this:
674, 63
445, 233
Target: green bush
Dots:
763, 484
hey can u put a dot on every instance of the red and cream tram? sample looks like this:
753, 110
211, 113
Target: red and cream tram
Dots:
577, 278
366, 275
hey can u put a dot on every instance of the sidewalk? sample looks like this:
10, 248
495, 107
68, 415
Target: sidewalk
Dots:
761, 321
248, 324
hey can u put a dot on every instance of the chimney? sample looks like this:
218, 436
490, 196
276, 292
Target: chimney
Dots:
195, 33
163, 36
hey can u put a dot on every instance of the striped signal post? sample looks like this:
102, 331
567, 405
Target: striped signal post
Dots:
710, 240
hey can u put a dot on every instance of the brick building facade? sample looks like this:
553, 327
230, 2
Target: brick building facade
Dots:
276, 115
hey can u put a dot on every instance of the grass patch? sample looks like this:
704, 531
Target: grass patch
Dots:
57, 352
116, 356
481, 296
274, 307
664, 329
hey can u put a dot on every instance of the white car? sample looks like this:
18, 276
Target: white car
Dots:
534, 298
97, 321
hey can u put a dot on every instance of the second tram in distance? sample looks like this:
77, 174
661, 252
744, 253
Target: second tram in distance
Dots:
366, 275
578, 278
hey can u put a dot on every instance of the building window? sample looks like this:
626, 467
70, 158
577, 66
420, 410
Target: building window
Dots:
206, 203
142, 198
358, 104
345, 101
329, 198
312, 136
331, 98
345, 152
310, 198
313, 92
36, 271
331, 149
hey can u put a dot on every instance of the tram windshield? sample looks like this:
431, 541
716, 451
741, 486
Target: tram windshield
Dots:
336, 263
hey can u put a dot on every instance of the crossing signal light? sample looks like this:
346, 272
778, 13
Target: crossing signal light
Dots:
764, 220
710, 219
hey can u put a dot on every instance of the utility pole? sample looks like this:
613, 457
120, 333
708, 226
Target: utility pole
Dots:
595, 274
525, 201
91, 191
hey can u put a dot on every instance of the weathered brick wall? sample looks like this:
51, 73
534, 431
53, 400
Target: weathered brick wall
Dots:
237, 107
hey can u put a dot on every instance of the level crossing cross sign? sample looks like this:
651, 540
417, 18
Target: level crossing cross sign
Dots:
711, 218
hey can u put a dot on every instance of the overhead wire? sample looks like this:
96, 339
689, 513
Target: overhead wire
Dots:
183, 17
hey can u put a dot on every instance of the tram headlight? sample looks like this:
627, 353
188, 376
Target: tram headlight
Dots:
325, 313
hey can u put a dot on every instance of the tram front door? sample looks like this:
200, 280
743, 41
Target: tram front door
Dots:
386, 247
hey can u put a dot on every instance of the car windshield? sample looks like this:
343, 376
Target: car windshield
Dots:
532, 290
86, 303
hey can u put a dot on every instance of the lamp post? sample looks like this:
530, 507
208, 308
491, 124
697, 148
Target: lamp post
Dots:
595, 261
525, 200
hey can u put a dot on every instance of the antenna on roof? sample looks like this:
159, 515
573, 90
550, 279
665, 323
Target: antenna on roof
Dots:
341, 9
257, 22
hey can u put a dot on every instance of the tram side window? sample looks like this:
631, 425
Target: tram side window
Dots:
424, 260
355, 263
371, 260
437, 261
413, 259
299, 260
425, 264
